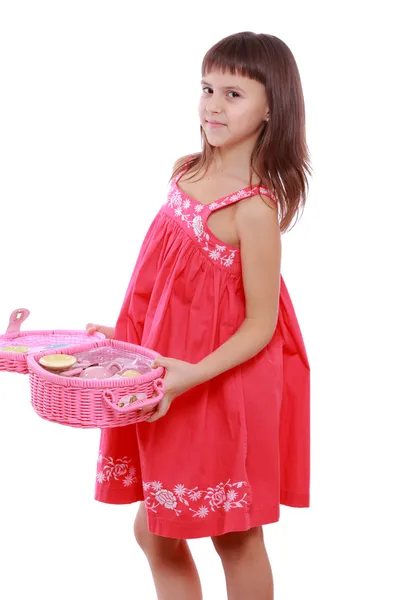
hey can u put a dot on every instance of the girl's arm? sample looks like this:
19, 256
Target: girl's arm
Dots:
260, 246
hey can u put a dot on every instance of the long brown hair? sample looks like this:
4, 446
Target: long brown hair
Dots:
280, 157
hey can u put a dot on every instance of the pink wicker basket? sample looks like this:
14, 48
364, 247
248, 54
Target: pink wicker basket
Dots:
32, 342
90, 403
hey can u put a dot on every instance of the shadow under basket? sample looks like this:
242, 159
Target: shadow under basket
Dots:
96, 403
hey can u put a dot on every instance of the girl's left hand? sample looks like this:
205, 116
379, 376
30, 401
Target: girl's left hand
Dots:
180, 376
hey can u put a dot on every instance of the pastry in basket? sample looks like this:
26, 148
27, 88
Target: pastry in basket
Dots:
131, 373
15, 349
57, 362
131, 399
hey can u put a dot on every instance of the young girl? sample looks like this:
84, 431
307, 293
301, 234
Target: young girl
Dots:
229, 442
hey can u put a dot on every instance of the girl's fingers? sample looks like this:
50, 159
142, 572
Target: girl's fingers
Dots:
157, 414
161, 410
154, 417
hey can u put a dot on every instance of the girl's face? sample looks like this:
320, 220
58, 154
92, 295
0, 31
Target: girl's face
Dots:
232, 108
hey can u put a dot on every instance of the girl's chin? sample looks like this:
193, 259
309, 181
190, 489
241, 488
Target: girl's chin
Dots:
215, 145
211, 139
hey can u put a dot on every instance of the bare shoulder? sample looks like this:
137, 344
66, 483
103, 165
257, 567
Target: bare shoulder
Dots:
183, 161
178, 163
258, 211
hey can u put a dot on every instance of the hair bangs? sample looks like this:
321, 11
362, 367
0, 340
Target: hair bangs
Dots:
235, 55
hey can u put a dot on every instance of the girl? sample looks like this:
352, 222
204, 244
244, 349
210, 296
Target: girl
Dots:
229, 442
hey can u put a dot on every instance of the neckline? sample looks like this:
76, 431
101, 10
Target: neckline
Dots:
244, 190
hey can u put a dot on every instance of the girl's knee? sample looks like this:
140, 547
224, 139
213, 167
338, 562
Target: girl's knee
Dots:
233, 545
140, 529
154, 546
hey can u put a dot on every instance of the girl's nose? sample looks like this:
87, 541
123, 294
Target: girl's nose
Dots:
213, 105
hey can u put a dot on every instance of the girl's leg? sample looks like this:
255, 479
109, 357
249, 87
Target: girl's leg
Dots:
174, 572
246, 565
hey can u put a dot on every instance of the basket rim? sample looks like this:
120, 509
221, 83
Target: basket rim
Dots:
77, 383
22, 356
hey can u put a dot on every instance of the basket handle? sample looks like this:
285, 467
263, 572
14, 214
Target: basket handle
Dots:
111, 400
17, 317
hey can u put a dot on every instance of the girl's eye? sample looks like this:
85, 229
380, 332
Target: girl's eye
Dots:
208, 90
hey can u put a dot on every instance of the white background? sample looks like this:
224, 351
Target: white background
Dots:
97, 101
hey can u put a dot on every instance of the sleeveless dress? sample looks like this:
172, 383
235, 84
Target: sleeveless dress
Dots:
231, 450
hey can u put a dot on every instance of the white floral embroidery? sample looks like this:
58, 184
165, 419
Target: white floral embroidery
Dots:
180, 490
224, 497
202, 512
175, 199
214, 254
119, 470
166, 498
178, 205
182, 208
198, 226
196, 223
157, 485
195, 496
217, 254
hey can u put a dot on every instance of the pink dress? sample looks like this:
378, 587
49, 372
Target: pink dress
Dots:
231, 450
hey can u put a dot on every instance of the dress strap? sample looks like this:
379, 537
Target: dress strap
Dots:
247, 192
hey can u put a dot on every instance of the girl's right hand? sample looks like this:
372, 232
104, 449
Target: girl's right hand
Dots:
91, 328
